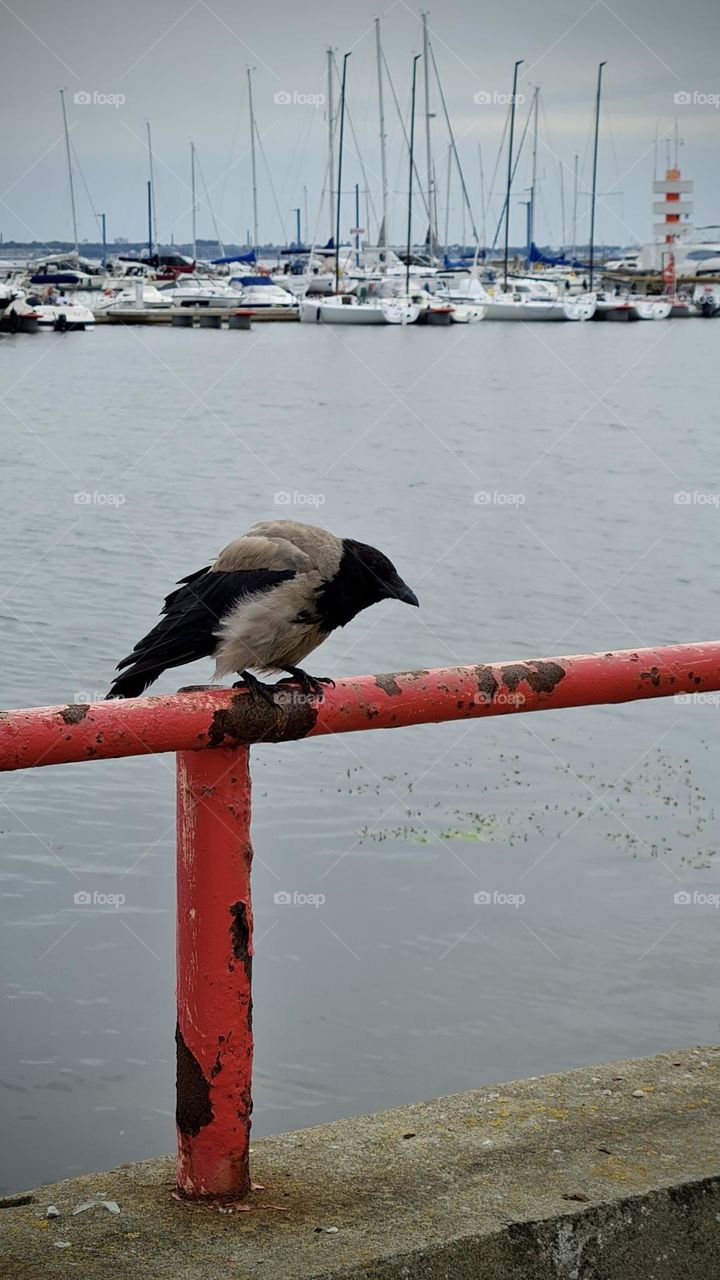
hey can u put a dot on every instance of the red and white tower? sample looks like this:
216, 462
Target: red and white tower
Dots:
674, 209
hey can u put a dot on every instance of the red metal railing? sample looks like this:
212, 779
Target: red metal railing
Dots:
211, 730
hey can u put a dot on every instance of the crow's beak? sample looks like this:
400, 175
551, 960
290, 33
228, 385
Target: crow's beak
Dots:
401, 591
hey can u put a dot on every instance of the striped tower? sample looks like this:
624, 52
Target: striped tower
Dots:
673, 208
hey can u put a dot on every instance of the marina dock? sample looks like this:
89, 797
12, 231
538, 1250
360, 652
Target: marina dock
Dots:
195, 317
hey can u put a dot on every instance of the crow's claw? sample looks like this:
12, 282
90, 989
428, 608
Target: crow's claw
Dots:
256, 688
310, 685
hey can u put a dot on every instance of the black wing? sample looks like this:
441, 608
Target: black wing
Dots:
188, 629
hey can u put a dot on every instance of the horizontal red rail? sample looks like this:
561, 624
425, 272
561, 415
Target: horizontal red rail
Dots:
226, 717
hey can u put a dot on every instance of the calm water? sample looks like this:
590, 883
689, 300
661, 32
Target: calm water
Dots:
398, 987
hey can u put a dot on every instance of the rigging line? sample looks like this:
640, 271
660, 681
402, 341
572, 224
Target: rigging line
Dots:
301, 160
329, 176
207, 201
95, 214
562, 169
491, 188
512, 176
423, 197
231, 160
359, 157
272, 185
453, 146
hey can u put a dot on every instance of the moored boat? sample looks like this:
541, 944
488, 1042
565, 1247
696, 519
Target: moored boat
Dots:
515, 306
344, 308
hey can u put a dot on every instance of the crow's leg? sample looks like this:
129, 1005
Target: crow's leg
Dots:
308, 684
256, 688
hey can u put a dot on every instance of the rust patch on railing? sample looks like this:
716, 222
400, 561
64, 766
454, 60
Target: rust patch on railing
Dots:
247, 720
240, 936
486, 682
389, 685
75, 713
193, 1109
541, 676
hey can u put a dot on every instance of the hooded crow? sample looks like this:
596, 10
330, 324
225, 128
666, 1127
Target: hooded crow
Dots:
268, 600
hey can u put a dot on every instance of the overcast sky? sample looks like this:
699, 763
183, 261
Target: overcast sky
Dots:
181, 64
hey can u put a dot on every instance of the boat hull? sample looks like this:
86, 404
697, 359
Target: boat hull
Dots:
60, 319
333, 312
526, 310
653, 308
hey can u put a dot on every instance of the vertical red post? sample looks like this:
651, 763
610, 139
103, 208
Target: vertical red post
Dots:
214, 966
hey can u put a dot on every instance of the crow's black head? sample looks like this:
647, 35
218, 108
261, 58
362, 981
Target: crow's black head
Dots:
364, 577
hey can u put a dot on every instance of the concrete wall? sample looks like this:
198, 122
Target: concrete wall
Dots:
598, 1174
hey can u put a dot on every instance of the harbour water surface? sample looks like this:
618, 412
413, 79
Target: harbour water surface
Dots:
525, 481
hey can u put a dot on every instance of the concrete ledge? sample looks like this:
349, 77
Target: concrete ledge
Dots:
598, 1174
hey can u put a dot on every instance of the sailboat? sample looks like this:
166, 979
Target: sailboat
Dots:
370, 303
529, 299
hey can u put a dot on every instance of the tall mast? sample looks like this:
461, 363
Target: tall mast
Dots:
410, 177
482, 197
339, 185
382, 238
450, 158
252, 161
194, 204
70, 173
510, 170
432, 211
531, 210
563, 226
574, 217
154, 235
305, 213
594, 174
331, 140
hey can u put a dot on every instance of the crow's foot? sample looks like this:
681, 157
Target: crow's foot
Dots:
256, 688
308, 684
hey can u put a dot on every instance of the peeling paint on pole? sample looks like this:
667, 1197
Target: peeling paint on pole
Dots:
214, 970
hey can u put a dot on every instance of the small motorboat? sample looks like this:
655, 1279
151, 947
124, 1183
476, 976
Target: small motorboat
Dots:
16, 315
141, 294
188, 291
63, 317
467, 298
261, 291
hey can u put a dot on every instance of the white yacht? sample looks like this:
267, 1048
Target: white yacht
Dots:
57, 314
141, 294
347, 308
189, 291
261, 291
538, 300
